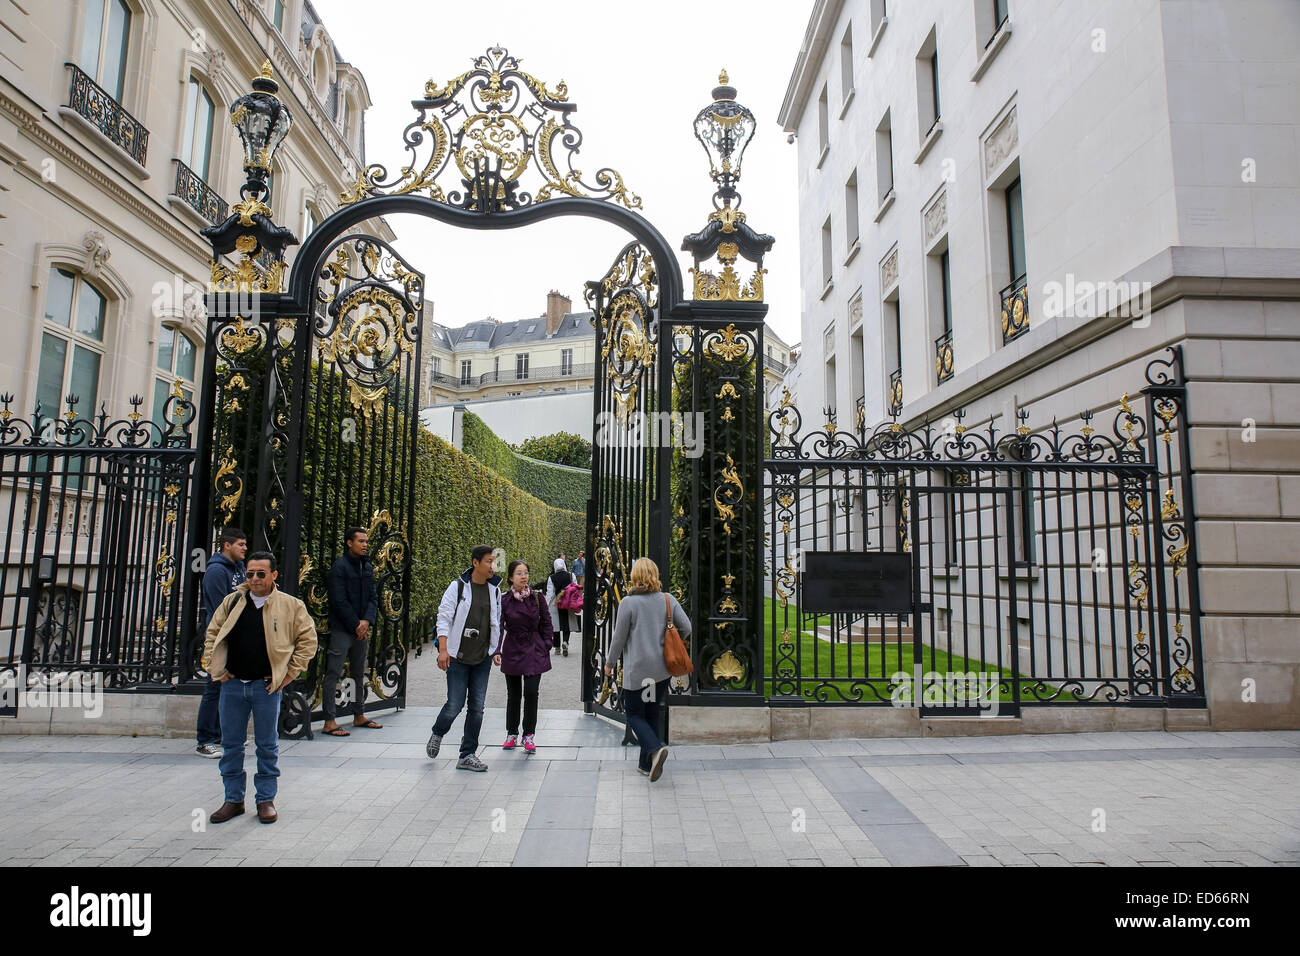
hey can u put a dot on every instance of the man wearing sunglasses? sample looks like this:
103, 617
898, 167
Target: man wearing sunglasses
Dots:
259, 640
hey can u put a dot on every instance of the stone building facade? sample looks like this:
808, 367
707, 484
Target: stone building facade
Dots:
1129, 173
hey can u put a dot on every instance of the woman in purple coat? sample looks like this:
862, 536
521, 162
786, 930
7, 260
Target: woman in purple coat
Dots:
525, 652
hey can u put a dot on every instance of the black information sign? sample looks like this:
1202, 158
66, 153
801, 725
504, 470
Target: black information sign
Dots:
875, 582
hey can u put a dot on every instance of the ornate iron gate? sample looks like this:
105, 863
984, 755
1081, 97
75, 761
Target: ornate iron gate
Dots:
95, 512
625, 517
1052, 567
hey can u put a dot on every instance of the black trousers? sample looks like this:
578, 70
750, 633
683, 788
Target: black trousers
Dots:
561, 635
345, 646
527, 687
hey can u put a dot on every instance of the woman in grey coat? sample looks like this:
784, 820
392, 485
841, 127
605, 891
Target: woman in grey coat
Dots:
639, 641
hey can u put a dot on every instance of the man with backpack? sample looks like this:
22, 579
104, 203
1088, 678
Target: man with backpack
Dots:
469, 635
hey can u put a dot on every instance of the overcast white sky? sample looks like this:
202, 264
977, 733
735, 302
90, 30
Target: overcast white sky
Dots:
639, 74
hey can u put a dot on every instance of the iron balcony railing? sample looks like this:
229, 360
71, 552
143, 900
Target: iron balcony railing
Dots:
198, 195
776, 364
545, 373
895, 391
1015, 309
943, 356
93, 103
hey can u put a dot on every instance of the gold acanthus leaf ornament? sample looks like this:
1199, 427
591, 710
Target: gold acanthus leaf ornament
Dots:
727, 667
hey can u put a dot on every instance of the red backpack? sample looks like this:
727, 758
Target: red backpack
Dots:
571, 597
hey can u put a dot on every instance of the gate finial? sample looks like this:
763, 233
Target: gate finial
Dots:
724, 128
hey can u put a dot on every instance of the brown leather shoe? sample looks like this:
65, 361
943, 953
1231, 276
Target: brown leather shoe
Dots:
225, 812
266, 812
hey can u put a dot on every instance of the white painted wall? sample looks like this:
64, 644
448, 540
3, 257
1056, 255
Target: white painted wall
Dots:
515, 419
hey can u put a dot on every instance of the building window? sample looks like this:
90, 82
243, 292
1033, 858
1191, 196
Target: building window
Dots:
927, 86
1016, 230
177, 357
464, 371
72, 344
1000, 12
878, 14
941, 290
104, 44
851, 211
884, 159
827, 270
566, 361
892, 336
277, 14
846, 64
823, 125
196, 149
521, 366
437, 368
311, 224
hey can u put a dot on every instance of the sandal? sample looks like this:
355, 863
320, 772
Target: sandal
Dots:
369, 724
336, 732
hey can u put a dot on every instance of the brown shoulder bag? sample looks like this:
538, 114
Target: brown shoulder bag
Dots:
676, 655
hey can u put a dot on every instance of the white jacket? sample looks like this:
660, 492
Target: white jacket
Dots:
452, 615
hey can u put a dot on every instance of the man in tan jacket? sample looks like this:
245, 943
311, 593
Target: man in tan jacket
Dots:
258, 641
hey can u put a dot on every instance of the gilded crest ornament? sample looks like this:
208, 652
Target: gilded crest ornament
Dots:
492, 122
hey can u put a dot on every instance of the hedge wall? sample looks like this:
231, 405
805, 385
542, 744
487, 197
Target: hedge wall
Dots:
557, 486
460, 503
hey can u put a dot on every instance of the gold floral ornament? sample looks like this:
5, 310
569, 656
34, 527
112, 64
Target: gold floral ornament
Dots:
727, 668
507, 120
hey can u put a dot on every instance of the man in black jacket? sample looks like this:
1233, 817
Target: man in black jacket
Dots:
354, 602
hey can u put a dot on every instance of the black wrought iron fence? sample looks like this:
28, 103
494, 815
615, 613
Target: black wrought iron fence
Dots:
990, 571
94, 541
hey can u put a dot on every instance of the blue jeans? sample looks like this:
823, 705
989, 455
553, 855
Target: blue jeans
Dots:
465, 683
643, 718
209, 728
239, 699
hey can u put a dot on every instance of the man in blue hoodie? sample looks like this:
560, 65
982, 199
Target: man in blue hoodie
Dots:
224, 573
354, 604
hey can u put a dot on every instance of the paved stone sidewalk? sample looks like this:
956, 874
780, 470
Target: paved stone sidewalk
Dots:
374, 798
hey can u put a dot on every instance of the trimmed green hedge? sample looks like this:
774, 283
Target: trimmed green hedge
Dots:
460, 503
558, 486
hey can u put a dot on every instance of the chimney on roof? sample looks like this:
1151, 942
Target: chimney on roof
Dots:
557, 306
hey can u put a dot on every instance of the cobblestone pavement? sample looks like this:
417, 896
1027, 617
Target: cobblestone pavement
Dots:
374, 798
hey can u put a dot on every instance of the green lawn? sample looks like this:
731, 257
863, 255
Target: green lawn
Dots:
840, 665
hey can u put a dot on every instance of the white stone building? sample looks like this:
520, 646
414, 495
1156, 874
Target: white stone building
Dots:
116, 147
954, 153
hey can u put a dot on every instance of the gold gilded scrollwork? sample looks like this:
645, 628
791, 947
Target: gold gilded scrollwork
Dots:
502, 123
728, 494
728, 347
228, 484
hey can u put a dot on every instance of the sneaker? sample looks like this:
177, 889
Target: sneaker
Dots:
644, 773
529, 746
566, 650
471, 763
657, 763
433, 746
510, 742
208, 750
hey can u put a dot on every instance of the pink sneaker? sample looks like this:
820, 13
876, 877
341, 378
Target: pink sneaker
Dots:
510, 743
529, 746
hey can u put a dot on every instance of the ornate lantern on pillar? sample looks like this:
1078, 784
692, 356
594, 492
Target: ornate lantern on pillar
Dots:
263, 122
724, 128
